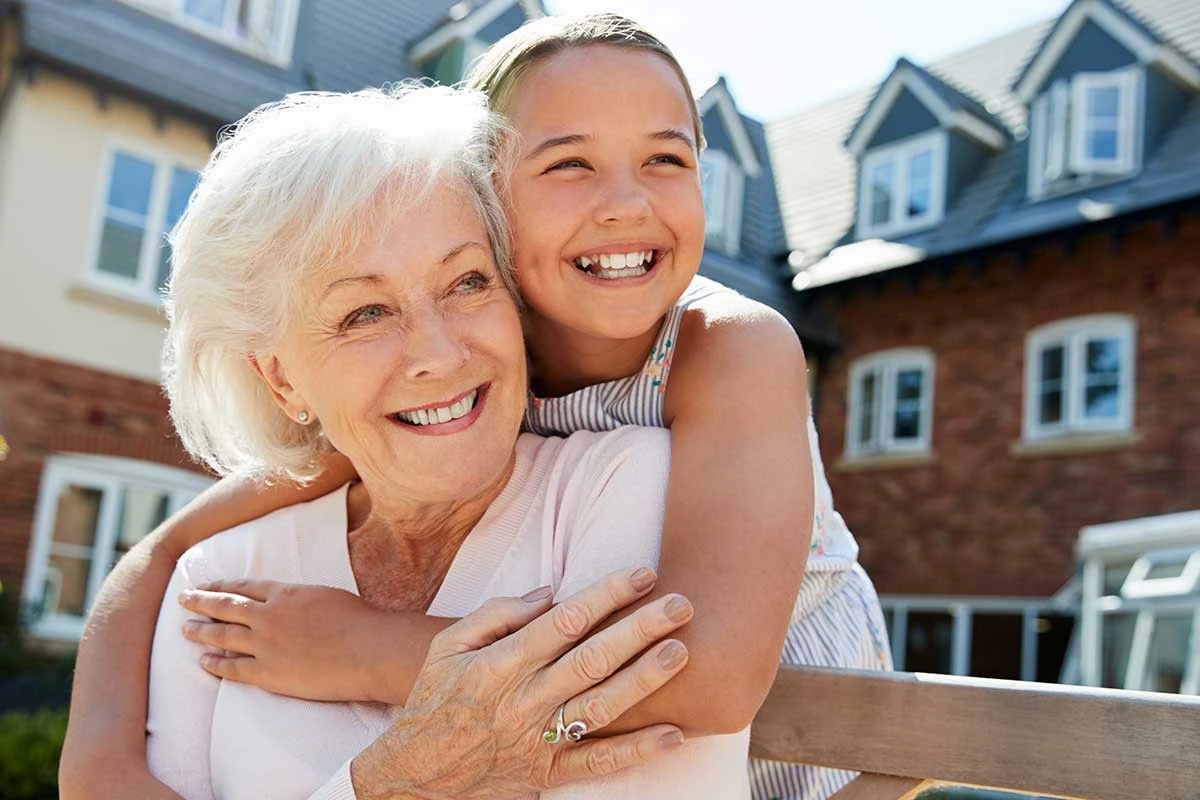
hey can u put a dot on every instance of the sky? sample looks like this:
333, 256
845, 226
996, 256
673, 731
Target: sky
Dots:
784, 56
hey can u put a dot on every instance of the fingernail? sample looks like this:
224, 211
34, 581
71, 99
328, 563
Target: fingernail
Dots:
642, 578
672, 655
678, 609
185, 597
537, 595
670, 741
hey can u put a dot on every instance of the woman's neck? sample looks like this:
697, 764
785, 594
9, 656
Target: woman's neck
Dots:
400, 552
566, 361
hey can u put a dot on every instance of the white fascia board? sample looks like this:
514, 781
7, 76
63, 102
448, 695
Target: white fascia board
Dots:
1132, 537
905, 78
719, 96
976, 128
459, 29
1147, 49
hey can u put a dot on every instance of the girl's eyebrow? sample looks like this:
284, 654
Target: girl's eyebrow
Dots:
676, 135
668, 134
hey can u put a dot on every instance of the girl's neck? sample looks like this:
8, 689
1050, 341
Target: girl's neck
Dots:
566, 361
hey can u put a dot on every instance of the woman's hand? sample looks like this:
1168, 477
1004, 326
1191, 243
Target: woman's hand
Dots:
311, 642
473, 727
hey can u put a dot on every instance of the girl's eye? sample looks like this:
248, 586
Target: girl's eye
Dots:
474, 282
667, 158
568, 163
364, 315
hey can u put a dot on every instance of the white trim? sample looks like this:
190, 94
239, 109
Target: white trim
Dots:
1147, 49
140, 288
900, 155
904, 77
1137, 585
884, 366
108, 474
718, 95
278, 53
1072, 335
464, 28
1127, 83
1130, 538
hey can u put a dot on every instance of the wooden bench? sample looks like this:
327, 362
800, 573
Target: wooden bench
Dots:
904, 731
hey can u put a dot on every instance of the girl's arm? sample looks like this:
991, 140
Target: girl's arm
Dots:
107, 724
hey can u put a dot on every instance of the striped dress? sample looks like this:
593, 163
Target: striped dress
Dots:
837, 621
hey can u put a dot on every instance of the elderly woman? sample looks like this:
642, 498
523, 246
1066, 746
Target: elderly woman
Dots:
340, 281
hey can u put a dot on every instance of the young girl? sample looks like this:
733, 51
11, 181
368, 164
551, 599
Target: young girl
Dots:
604, 200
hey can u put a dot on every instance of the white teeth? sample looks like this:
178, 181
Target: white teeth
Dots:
616, 265
435, 416
585, 262
614, 274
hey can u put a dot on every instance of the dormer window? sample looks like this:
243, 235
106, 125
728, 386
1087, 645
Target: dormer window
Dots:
263, 28
1083, 128
723, 184
903, 186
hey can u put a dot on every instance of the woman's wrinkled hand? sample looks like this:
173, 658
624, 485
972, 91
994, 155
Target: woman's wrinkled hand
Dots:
311, 642
474, 723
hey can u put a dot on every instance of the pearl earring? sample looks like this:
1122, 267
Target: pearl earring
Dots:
302, 417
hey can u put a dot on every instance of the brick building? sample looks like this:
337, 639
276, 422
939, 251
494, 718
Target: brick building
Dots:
1006, 244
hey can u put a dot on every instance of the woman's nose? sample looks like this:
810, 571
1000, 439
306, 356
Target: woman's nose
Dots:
434, 347
623, 199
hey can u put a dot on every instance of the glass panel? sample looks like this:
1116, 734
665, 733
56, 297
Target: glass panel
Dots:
1168, 653
928, 646
1102, 145
1114, 577
1053, 639
881, 187
1050, 391
183, 183
1166, 569
1103, 121
1116, 635
76, 517
996, 646
120, 249
1103, 379
66, 585
210, 12
712, 178
866, 412
908, 404
129, 188
141, 511
1104, 102
920, 183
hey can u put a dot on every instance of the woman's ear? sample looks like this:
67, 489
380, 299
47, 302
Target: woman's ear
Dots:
272, 372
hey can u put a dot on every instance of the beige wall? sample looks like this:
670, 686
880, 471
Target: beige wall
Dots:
55, 146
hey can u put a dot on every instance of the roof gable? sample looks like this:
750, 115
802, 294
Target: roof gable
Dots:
718, 98
1090, 18
950, 107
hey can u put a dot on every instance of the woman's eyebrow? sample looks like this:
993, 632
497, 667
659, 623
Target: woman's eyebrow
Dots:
340, 282
457, 251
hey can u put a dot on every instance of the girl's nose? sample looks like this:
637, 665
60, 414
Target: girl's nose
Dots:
623, 200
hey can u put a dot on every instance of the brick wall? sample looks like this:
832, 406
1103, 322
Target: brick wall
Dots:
48, 407
979, 519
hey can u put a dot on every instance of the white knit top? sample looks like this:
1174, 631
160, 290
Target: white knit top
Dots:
574, 510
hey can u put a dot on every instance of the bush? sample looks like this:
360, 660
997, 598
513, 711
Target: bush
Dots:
30, 746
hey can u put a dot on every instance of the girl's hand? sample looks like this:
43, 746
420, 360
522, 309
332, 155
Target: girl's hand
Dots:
311, 642
473, 727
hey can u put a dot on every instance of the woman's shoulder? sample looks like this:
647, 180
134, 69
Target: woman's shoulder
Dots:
593, 453
275, 546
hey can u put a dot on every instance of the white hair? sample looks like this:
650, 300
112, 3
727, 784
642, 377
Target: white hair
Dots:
293, 186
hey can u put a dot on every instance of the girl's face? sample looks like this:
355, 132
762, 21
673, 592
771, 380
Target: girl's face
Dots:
604, 193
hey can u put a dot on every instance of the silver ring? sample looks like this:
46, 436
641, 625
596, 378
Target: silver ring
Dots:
572, 732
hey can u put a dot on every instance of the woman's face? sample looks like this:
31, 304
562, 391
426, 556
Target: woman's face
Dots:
605, 172
410, 357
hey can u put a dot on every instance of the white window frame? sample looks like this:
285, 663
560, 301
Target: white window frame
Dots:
1073, 334
278, 52
1059, 130
885, 365
109, 475
723, 209
900, 155
143, 288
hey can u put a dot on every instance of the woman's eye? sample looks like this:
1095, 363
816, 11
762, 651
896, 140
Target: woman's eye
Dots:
474, 282
364, 315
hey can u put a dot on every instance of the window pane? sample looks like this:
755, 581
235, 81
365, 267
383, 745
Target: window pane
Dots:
120, 249
881, 187
907, 416
712, 181
1102, 144
920, 183
996, 646
1168, 653
1103, 121
142, 509
1050, 388
211, 12
908, 384
66, 585
1104, 102
129, 188
1053, 639
1116, 637
867, 409
76, 517
1102, 392
1102, 402
928, 646
183, 183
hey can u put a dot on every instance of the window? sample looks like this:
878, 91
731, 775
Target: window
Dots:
91, 510
723, 184
264, 28
143, 201
1084, 127
891, 403
1079, 377
903, 186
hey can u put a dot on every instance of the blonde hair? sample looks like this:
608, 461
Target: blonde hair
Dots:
295, 186
499, 70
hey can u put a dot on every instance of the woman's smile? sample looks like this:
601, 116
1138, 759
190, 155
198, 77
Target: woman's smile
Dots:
446, 418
